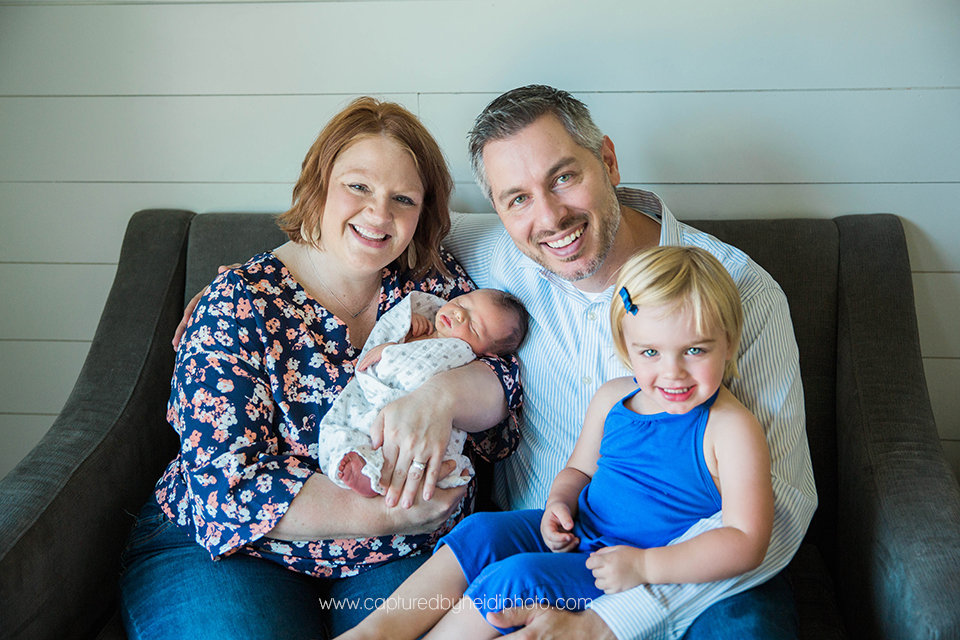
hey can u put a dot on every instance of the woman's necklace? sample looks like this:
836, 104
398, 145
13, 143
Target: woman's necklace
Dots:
335, 296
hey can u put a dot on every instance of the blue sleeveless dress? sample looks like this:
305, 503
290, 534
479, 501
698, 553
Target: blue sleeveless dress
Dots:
652, 484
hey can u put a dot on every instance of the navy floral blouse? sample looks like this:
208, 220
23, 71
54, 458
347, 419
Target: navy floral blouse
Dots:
259, 365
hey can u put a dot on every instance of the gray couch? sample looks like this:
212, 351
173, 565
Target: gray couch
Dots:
882, 556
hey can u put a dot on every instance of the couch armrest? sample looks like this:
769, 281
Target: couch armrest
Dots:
899, 504
64, 510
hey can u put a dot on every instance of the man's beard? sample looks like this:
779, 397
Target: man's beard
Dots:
608, 223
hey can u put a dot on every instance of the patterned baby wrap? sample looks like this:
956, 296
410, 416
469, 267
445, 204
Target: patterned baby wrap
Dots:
402, 368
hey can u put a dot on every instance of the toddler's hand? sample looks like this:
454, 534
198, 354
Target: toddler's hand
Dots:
373, 356
617, 569
556, 526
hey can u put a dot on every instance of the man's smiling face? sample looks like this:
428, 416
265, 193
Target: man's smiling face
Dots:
556, 199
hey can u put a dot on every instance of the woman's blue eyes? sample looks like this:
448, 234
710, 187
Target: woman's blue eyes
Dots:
362, 188
649, 353
694, 351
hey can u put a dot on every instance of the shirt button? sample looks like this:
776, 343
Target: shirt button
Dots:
591, 316
587, 380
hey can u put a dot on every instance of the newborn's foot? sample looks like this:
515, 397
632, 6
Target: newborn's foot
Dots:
350, 472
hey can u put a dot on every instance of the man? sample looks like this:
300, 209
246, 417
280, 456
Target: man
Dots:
551, 176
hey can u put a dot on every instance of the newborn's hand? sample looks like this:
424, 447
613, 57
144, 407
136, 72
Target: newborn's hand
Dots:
556, 526
373, 356
618, 568
419, 326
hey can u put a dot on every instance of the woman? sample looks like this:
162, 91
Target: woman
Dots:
269, 347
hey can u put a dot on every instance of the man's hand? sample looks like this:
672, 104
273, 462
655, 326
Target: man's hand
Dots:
193, 305
556, 527
547, 623
617, 568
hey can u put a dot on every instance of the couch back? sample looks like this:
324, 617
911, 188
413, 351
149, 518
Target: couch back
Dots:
801, 254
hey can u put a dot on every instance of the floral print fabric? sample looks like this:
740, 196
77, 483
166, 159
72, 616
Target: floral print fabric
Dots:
259, 365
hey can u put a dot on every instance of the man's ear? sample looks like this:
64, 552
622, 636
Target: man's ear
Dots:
609, 156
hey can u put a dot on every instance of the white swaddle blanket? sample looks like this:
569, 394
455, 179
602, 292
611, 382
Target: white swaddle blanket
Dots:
402, 368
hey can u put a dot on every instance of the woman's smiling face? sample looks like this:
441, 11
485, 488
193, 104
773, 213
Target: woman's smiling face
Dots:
373, 204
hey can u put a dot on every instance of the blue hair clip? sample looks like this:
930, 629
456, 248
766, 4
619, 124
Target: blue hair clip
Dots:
627, 303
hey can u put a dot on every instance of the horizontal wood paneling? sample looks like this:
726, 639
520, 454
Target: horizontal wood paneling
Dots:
783, 137
943, 377
930, 212
36, 377
163, 139
84, 222
780, 137
938, 313
19, 434
468, 46
52, 301
951, 448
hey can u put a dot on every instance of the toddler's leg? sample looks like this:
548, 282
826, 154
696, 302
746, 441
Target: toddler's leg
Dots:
463, 622
418, 603
526, 580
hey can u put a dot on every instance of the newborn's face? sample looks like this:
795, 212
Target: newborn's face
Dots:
477, 319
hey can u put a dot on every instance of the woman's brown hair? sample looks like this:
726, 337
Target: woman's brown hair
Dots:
365, 117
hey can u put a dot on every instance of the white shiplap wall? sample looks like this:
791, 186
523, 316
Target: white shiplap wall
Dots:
736, 108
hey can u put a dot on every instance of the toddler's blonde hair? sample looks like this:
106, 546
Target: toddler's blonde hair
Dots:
680, 277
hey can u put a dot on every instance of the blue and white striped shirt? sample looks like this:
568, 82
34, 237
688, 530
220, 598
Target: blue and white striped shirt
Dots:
569, 353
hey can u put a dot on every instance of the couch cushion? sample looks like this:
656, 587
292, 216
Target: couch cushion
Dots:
224, 238
810, 282
814, 595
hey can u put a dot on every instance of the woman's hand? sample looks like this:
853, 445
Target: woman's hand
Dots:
618, 568
426, 516
556, 527
415, 428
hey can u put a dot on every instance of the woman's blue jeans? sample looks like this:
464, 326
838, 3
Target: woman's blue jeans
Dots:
170, 588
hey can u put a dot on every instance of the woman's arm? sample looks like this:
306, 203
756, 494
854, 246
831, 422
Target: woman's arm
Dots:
308, 517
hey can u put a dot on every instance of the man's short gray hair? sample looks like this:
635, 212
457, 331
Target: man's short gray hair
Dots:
518, 108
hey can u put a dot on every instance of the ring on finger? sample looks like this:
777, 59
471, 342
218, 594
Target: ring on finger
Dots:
418, 466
